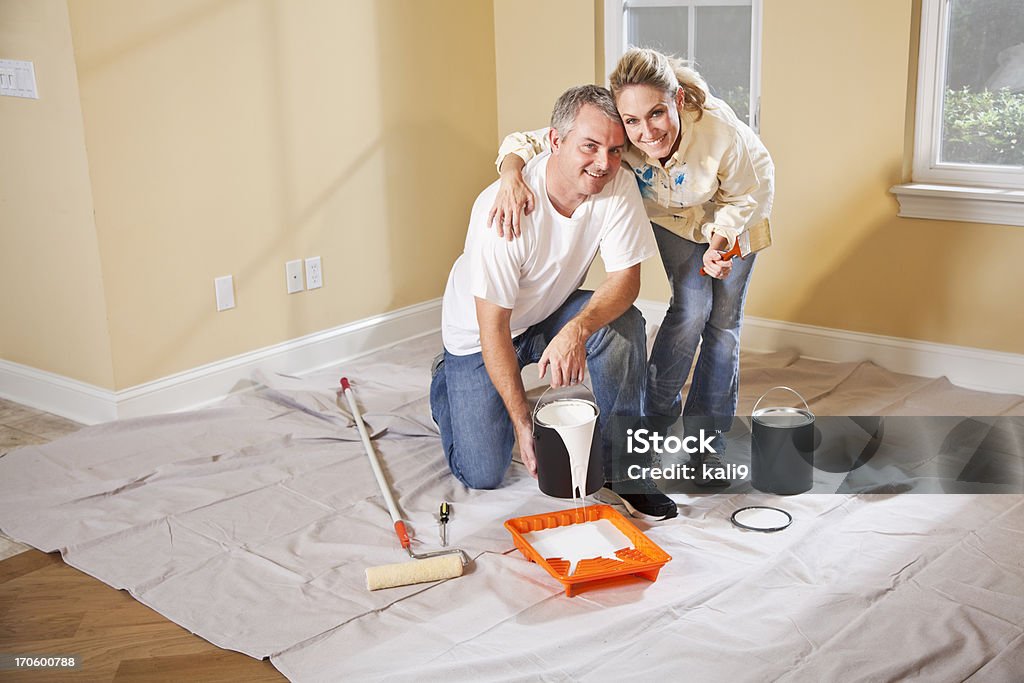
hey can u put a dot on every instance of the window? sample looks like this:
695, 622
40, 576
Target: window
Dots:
969, 130
720, 37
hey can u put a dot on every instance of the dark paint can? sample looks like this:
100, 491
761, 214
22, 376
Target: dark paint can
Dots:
782, 447
575, 418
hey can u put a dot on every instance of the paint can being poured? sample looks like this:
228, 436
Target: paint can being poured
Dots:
567, 443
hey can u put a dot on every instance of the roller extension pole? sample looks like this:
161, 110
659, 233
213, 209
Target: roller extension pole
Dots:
434, 566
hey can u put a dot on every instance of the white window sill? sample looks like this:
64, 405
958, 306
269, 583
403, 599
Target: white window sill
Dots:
960, 203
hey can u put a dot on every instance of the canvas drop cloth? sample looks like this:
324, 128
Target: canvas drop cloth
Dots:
251, 524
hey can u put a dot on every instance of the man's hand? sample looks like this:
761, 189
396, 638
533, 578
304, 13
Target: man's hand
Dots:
566, 355
524, 436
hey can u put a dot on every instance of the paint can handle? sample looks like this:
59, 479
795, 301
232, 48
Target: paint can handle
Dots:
793, 391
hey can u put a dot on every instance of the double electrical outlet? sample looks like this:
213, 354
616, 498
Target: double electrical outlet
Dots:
314, 274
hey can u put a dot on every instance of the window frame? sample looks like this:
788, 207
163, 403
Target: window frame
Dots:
931, 87
971, 193
615, 38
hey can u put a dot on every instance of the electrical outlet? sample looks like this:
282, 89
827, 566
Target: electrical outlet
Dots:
225, 288
293, 273
314, 273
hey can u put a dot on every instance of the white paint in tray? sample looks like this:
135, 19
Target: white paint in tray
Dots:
576, 542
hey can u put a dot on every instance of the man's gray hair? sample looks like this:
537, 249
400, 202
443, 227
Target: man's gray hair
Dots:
563, 116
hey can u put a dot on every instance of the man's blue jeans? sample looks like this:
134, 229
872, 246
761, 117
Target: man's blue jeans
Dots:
476, 431
701, 308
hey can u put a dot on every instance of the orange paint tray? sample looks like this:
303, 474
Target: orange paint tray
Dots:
645, 559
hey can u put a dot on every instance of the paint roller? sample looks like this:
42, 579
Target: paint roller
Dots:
729, 255
433, 566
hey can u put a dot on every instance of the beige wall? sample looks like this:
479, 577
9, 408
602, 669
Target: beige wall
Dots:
835, 124
834, 116
541, 49
52, 311
227, 137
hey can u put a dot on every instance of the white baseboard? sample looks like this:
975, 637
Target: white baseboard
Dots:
88, 404
206, 384
964, 366
56, 394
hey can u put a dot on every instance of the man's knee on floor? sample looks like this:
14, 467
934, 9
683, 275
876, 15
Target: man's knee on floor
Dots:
483, 480
480, 469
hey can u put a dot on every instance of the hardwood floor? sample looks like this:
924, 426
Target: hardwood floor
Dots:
48, 608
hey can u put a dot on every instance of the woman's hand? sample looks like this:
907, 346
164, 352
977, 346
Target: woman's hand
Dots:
515, 199
716, 266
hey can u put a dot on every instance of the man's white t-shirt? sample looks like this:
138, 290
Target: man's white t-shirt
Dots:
534, 274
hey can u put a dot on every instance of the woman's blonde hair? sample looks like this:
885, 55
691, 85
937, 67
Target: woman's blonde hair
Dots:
643, 66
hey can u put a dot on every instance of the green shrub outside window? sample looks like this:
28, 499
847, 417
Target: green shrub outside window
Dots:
983, 128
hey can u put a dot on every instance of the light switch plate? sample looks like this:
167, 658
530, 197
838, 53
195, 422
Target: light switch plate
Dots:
225, 287
18, 79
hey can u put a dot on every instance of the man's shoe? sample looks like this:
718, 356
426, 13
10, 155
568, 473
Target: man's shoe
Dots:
707, 467
651, 504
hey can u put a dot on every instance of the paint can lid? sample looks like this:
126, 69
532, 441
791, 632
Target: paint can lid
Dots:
782, 417
764, 518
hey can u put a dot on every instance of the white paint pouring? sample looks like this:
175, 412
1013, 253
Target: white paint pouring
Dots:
573, 419
577, 542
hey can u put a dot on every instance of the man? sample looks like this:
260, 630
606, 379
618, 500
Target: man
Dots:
510, 304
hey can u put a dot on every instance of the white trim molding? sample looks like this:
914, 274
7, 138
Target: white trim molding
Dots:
993, 205
56, 394
967, 367
209, 383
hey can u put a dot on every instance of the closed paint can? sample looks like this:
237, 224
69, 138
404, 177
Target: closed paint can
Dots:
782, 447
567, 444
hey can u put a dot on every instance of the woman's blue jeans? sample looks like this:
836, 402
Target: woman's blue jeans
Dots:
476, 431
702, 311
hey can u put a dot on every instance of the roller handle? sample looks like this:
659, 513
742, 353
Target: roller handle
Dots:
378, 473
728, 256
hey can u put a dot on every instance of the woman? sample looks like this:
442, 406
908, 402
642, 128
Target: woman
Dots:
707, 182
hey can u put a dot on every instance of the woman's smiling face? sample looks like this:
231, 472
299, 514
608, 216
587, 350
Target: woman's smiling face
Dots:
651, 118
